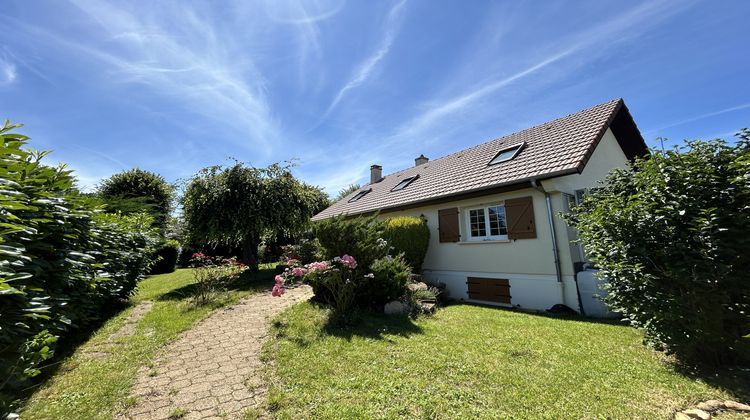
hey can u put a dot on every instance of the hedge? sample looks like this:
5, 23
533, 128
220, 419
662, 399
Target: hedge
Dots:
165, 257
62, 260
410, 236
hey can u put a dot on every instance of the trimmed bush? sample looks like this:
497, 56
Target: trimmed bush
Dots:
410, 236
166, 256
388, 282
360, 237
63, 260
672, 236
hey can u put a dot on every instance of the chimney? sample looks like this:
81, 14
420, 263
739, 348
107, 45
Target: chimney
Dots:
420, 160
376, 173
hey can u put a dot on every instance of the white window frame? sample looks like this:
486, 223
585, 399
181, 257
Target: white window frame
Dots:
488, 236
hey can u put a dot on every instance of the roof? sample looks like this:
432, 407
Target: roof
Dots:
556, 148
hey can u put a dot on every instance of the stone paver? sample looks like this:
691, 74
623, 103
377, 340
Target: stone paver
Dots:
214, 369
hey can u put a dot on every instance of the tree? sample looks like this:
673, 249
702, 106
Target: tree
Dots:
137, 190
346, 191
672, 236
237, 205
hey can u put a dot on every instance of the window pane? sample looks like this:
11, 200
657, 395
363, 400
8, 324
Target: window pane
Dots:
476, 220
497, 221
505, 155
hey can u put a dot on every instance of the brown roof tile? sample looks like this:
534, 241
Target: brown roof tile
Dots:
554, 148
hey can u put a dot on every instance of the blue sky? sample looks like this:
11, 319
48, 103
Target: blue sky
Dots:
173, 86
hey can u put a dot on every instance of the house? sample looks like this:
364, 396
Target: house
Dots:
493, 209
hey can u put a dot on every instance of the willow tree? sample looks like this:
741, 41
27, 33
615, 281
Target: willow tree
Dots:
238, 205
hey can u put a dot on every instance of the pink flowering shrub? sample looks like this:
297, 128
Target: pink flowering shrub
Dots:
334, 282
213, 274
344, 284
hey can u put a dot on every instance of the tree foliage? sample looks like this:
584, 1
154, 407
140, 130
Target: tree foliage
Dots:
672, 236
346, 191
62, 261
238, 205
137, 190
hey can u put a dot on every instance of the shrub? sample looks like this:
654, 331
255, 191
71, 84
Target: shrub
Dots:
360, 237
135, 191
388, 283
166, 256
672, 236
410, 236
64, 261
213, 274
336, 281
306, 251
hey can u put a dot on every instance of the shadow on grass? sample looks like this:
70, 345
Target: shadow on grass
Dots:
545, 314
248, 282
69, 343
733, 379
372, 325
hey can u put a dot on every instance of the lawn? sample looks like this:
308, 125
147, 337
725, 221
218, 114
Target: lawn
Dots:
95, 380
474, 362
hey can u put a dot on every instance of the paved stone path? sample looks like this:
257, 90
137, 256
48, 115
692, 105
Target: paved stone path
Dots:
214, 369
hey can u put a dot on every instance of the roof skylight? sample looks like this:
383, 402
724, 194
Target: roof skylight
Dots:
507, 154
359, 195
404, 183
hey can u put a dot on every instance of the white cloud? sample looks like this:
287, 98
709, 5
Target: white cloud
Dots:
700, 117
366, 67
8, 73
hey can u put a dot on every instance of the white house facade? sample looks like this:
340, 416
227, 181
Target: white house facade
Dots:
493, 210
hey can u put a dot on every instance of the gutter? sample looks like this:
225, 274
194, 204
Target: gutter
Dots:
550, 218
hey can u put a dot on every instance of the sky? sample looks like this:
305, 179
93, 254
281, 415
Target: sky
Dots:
335, 86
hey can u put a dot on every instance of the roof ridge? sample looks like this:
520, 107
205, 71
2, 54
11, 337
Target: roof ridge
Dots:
620, 100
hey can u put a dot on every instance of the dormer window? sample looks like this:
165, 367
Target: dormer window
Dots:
359, 195
507, 154
404, 183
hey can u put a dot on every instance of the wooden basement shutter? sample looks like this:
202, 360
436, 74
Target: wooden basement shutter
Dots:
489, 290
519, 213
448, 225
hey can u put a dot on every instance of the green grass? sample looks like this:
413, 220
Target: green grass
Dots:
474, 362
94, 382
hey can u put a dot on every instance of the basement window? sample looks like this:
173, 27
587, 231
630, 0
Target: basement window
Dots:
404, 183
507, 154
359, 195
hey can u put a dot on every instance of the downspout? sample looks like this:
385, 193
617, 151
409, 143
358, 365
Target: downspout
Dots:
551, 220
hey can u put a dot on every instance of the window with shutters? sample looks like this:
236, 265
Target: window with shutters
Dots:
487, 223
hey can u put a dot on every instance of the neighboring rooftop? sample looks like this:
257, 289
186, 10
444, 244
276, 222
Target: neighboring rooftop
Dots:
556, 148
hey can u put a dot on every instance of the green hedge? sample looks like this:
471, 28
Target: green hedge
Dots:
62, 260
410, 236
165, 257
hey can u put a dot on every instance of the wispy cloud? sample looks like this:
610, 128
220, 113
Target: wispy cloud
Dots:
178, 54
8, 73
626, 26
701, 117
366, 67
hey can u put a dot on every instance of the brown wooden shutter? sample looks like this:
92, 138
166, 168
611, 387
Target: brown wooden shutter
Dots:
448, 225
519, 213
490, 290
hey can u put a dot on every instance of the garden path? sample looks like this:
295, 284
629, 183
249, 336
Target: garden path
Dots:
214, 369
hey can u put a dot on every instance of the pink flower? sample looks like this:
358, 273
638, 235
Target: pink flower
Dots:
317, 266
349, 261
298, 271
292, 261
279, 279
277, 290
